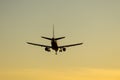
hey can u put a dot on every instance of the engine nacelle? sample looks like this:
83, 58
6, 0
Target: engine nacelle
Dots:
47, 49
64, 49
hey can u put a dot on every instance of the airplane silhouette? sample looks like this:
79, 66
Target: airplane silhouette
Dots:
54, 46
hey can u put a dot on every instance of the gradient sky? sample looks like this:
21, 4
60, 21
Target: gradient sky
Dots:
96, 23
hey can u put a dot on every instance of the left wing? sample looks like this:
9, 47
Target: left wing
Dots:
38, 45
70, 45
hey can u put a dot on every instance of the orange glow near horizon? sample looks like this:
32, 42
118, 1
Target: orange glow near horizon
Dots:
74, 74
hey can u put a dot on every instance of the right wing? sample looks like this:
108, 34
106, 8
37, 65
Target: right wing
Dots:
70, 45
38, 44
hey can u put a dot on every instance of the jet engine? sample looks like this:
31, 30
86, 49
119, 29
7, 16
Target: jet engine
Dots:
47, 49
64, 49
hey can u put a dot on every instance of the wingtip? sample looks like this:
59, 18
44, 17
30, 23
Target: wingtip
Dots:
81, 43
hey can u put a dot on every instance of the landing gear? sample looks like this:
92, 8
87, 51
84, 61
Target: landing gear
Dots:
55, 53
60, 50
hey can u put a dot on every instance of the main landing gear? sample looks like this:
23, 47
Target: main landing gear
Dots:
62, 49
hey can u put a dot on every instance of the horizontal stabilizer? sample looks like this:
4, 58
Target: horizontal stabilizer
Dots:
59, 38
46, 38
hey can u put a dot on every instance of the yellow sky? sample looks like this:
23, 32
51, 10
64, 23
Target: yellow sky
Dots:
61, 74
96, 23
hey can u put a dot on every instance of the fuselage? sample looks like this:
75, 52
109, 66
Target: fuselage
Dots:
54, 44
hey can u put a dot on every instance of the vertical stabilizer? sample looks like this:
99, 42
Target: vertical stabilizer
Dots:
53, 31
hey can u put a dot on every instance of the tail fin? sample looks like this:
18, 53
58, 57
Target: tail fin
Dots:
54, 35
47, 37
53, 31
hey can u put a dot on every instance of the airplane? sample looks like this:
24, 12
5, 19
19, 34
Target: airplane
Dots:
54, 46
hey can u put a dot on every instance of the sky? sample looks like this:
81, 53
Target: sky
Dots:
96, 23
